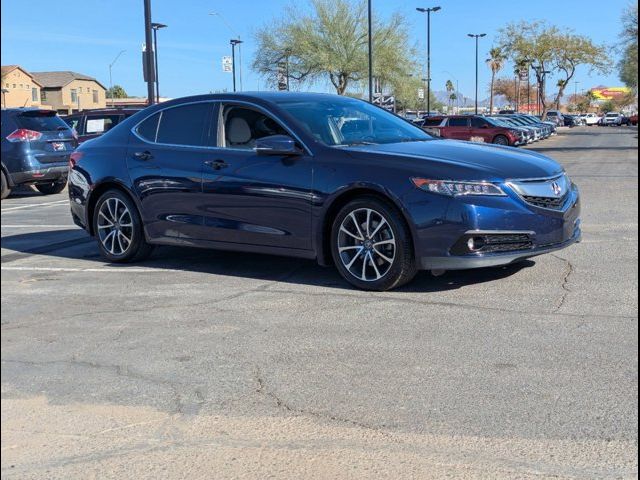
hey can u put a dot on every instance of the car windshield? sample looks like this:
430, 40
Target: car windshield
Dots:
346, 121
497, 122
612, 114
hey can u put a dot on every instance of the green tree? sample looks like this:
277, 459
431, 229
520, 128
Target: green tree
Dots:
450, 88
628, 65
330, 43
552, 50
574, 50
495, 62
116, 92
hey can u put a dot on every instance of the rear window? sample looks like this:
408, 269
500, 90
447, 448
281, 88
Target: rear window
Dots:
432, 122
41, 121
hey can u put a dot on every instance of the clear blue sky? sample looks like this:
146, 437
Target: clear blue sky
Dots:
86, 35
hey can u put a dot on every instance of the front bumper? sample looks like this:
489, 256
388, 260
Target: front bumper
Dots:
44, 174
464, 262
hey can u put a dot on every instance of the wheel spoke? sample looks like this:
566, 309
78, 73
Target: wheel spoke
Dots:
105, 242
368, 222
106, 218
382, 223
355, 257
383, 256
344, 230
351, 247
385, 242
355, 222
364, 267
122, 235
120, 243
373, 264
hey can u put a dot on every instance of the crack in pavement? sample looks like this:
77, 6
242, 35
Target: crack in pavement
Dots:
569, 269
261, 389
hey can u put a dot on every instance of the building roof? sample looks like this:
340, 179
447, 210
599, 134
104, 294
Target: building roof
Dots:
6, 69
60, 79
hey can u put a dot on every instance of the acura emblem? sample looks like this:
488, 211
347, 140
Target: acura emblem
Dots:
556, 188
61, 135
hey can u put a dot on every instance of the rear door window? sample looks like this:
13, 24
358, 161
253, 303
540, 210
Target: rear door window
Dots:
41, 121
458, 122
478, 122
184, 125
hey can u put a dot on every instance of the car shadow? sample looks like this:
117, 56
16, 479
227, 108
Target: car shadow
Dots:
74, 244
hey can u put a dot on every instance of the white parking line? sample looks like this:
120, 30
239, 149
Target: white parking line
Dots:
39, 226
58, 202
93, 270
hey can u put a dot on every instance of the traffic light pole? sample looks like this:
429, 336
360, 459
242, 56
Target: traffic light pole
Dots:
148, 39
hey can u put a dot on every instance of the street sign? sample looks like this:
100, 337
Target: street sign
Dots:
227, 64
421, 93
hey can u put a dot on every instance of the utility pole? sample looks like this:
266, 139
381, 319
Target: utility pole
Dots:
428, 12
149, 61
476, 36
236, 35
370, 41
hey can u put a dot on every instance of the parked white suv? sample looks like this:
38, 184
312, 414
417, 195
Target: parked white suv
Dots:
612, 118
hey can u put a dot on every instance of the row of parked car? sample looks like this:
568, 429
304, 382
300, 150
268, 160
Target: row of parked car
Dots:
512, 129
36, 144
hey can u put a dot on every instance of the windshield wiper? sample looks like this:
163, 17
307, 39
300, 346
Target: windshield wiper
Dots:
354, 144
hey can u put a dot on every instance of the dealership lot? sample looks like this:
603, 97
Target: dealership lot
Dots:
249, 366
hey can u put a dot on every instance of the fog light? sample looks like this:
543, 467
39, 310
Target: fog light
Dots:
475, 243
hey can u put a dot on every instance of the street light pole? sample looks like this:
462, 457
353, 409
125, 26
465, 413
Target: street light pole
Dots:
149, 62
476, 36
235, 34
370, 42
110, 78
575, 94
234, 42
156, 27
428, 12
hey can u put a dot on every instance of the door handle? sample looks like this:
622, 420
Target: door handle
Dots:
216, 164
146, 155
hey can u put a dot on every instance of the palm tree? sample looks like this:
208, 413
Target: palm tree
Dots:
450, 88
495, 62
452, 98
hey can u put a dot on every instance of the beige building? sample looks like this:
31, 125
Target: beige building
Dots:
68, 92
19, 88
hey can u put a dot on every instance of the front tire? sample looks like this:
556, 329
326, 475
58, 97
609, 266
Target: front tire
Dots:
501, 140
118, 228
5, 187
371, 245
51, 188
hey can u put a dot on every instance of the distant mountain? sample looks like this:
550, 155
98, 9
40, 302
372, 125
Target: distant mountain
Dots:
443, 96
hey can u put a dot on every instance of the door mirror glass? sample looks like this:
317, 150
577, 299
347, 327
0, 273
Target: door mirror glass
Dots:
277, 145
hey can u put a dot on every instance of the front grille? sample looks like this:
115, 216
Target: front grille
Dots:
546, 202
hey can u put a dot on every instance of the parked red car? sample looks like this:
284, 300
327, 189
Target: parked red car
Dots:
473, 128
89, 124
633, 119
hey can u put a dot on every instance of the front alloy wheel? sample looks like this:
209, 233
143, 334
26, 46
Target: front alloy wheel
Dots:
366, 244
371, 245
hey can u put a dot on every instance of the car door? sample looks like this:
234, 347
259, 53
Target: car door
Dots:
458, 128
251, 198
481, 131
166, 154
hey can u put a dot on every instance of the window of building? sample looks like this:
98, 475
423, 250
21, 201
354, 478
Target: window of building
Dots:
20, 85
14, 85
74, 95
43, 95
79, 89
34, 94
95, 96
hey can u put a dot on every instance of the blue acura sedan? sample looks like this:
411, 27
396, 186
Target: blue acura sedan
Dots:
317, 176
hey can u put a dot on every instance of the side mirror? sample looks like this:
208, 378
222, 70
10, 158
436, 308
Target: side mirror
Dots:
277, 145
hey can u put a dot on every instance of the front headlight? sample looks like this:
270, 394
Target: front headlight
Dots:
454, 188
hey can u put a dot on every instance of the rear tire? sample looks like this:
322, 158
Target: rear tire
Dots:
118, 228
5, 187
51, 188
371, 245
500, 140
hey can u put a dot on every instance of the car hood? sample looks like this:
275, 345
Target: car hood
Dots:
457, 160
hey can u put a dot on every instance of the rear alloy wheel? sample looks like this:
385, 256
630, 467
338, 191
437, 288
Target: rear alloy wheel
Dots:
52, 188
501, 140
371, 245
118, 228
5, 186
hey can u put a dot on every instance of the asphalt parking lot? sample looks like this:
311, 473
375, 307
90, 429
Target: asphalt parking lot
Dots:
203, 364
